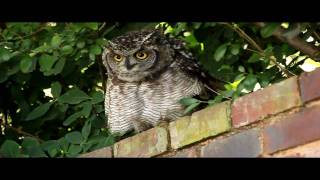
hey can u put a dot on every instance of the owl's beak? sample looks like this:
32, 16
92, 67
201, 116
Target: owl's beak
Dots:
129, 65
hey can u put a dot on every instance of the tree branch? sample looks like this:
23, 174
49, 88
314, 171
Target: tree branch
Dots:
20, 131
257, 47
316, 35
296, 42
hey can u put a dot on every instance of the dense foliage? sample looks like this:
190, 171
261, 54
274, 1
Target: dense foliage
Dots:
52, 80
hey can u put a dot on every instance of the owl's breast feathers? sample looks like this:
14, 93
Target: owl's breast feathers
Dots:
148, 102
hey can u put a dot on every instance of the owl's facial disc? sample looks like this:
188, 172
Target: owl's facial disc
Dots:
136, 56
136, 66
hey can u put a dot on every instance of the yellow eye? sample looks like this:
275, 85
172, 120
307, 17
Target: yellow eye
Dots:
141, 55
118, 57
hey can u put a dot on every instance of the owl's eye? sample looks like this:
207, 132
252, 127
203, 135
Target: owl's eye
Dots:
118, 57
141, 55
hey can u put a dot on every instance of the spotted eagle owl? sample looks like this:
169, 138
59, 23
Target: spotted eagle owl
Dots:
148, 73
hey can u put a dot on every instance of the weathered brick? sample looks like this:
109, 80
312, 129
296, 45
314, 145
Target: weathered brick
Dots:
295, 129
310, 85
244, 144
100, 153
271, 100
307, 150
202, 124
146, 144
186, 153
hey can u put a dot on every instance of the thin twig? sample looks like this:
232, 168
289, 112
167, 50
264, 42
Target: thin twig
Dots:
20, 131
215, 91
316, 35
256, 46
255, 51
102, 26
41, 28
296, 42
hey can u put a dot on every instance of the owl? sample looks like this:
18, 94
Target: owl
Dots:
148, 73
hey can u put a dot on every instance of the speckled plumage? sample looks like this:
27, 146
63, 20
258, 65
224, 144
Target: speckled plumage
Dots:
141, 94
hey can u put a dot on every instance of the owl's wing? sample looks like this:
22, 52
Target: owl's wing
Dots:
189, 65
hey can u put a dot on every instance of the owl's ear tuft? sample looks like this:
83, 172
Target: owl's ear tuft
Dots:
111, 44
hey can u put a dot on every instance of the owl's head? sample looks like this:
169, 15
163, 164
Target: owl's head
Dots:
137, 55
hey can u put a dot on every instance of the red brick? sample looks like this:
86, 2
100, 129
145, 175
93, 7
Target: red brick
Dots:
244, 144
310, 85
271, 100
306, 150
295, 129
100, 153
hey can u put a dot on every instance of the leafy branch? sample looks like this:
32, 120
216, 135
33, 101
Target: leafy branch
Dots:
295, 42
244, 35
20, 131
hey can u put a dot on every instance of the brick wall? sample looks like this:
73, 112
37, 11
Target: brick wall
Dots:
282, 120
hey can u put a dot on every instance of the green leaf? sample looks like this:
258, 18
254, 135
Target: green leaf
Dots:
95, 50
81, 44
74, 149
105, 142
196, 25
56, 41
241, 69
26, 64
98, 122
55, 89
250, 81
97, 97
67, 49
220, 52
191, 40
191, 107
227, 93
92, 57
93, 26
188, 101
72, 118
254, 58
64, 144
235, 49
210, 24
74, 137
31, 147
51, 146
59, 66
86, 109
10, 149
268, 29
46, 62
268, 50
99, 108
3, 75
63, 107
216, 100
29, 141
277, 51
86, 129
39, 111
73, 96
5, 55
40, 49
